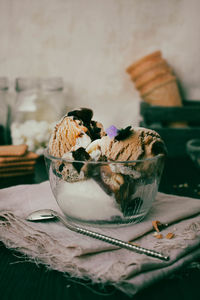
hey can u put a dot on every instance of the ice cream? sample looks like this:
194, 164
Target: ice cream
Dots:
117, 161
128, 144
75, 130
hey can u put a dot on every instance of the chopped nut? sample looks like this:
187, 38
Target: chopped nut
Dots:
159, 236
134, 244
116, 181
156, 224
170, 235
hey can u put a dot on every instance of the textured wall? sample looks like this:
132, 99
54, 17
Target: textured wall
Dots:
91, 42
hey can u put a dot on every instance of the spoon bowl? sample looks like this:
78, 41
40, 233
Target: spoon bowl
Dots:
41, 215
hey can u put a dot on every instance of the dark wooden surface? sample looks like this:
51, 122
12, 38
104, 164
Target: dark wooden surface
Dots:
160, 119
175, 138
189, 113
21, 279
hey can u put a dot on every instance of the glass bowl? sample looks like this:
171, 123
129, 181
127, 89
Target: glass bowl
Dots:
104, 193
193, 150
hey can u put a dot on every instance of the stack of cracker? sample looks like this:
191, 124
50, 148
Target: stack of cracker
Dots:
155, 80
16, 160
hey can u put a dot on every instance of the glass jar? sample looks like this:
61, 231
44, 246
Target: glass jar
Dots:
4, 86
39, 104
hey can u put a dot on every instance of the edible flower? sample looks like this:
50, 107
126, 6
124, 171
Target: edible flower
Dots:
112, 131
118, 134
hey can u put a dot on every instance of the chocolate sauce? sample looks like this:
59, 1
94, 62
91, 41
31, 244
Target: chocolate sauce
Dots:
95, 131
61, 167
81, 155
85, 115
159, 147
122, 134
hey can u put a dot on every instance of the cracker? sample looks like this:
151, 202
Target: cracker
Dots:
17, 163
13, 150
16, 169
28, 156
16, 174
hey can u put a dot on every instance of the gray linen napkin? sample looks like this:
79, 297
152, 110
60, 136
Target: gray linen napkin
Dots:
58, 248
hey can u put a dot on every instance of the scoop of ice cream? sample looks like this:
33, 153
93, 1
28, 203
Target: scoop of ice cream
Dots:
127, 145
75, 130
65, 135
95, 129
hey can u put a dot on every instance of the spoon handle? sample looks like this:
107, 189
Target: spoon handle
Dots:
113, 241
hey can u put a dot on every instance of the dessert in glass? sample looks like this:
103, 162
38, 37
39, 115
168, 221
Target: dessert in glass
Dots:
103, 177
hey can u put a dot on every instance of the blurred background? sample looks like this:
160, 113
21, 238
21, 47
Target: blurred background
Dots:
82, 49
90, 44
57, 55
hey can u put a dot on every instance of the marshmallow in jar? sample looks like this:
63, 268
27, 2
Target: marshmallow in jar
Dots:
39, 104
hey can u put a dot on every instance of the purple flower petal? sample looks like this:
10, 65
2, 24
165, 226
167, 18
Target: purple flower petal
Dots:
112, 131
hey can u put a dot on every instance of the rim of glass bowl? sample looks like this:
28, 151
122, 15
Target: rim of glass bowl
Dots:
46, 154
191, 145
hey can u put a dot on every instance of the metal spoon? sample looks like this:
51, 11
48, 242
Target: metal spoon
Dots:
46, 214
